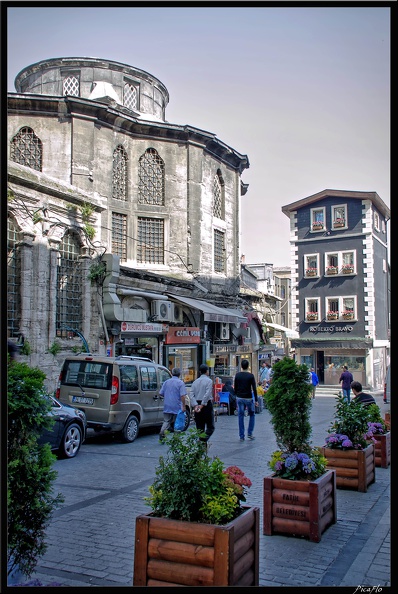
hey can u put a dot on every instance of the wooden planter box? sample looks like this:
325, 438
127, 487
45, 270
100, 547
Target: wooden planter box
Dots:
355, 469
176, 553
387, 420
299, 508
383, 450
332, 271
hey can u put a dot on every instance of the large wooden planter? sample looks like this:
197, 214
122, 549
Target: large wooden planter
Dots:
176, 553
387, 420
383, 450
355, 469
299, 508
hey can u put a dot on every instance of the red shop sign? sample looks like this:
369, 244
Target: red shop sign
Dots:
183, 335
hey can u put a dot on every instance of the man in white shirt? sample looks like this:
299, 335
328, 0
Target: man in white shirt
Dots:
201, 396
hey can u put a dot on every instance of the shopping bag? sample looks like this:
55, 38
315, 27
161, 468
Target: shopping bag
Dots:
179, 423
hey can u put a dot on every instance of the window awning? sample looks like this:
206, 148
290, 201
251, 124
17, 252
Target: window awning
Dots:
212, 313
288, 331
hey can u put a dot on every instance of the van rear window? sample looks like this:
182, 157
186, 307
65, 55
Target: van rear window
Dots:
87, 374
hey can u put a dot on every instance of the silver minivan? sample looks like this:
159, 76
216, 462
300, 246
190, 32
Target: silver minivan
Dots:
117, 394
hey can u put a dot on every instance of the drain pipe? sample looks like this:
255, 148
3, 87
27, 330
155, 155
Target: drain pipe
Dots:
102, 318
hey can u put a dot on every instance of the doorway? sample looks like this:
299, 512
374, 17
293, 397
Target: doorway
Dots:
320, 366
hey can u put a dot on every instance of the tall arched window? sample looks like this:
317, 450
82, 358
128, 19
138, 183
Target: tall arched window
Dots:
218, 196
69, 286
26, 149
13, 280
151, 178
119, 173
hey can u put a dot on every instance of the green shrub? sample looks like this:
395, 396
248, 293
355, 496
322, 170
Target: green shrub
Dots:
30, 475
191, 486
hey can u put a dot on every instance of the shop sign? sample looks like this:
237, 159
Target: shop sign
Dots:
143, 328
183, 335
225, 348
331, 328
244, 348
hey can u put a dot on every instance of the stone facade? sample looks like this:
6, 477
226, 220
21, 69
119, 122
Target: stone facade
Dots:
66, 123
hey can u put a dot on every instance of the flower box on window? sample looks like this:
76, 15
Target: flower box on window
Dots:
332, 270
347, 268
348, 315
317, 225
332, 315
312, 315
339, 222
311, 272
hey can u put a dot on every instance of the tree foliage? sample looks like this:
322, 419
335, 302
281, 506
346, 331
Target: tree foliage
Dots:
30, 475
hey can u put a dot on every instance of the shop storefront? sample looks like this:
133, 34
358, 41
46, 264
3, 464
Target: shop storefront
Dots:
227, 359
140, 340
181, 348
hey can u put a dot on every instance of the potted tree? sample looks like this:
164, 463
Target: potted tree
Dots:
198, 533
300, 496
349, 448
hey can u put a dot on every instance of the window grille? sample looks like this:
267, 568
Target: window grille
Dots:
13, 281
69, 286
219, 249
151, 178
217, 198
26, 149
130, 96
71, 85
119, 173
150, 247
119, 235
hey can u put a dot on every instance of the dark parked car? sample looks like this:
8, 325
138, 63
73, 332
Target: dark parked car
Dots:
69, 429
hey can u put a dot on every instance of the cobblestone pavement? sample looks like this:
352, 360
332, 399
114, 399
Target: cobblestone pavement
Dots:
91, 537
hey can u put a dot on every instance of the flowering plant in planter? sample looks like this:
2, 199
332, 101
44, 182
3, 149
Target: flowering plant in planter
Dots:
310, 271
339, 221
312, 315
347, 268
317, 225
332, 269
298, 466
347, 315
350, 429
191, 486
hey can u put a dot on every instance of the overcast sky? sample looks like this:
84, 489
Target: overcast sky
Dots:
303, 92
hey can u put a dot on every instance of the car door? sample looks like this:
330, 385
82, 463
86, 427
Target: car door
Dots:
151, 402
52, 435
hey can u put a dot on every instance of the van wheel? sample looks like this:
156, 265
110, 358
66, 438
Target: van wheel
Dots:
130, 430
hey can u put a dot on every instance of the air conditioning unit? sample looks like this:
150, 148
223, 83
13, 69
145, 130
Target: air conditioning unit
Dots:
162, 310
177, 313
224, 331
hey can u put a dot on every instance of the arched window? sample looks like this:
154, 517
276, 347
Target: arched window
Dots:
26, 149
218, 196
119, 174
69, 286
13, 280
151, 178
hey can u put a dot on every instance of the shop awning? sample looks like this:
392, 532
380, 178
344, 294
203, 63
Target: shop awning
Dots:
349, 343
288, 331
212, 313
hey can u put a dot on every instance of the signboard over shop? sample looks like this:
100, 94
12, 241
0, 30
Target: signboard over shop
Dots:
232, 348
143, 328
183, 335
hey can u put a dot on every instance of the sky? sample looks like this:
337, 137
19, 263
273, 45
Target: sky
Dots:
304, 92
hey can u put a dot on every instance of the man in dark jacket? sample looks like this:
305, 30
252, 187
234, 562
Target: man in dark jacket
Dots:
245, 390
346, 378
360, 396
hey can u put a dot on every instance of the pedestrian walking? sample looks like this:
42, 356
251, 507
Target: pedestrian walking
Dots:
174, 392
246, 398
360, 396
201, 397
346, 378
314, 381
